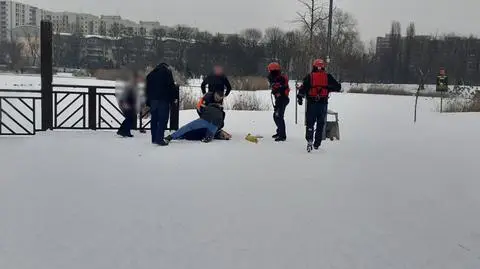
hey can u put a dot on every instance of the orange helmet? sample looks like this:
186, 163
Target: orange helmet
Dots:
274, 67
319, 63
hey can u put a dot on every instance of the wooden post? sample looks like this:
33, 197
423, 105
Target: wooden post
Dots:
92, 108
46, 70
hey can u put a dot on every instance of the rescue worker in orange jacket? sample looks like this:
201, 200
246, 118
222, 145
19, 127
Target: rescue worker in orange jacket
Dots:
280, 91
316, 88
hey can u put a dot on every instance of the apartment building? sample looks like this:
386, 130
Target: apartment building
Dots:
126, 27
69, 22
149, 26
14, 15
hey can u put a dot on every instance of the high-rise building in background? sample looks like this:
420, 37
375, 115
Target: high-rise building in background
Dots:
69, 22
14, 15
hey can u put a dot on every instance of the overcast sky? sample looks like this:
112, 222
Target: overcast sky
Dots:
228, 16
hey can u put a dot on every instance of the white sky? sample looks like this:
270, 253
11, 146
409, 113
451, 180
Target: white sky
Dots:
373, 16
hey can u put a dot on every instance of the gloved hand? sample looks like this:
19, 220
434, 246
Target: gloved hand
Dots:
276, 86
300, 100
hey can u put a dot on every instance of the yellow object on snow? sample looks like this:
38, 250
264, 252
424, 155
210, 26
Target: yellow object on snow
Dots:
251, 138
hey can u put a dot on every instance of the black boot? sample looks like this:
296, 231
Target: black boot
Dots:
207, 139
162, 143
280, 139
317, 144
275, 136
122, 134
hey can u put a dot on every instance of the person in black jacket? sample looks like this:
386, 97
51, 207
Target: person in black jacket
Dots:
217, 82
127, 101
316, 88
280, 90
160, 93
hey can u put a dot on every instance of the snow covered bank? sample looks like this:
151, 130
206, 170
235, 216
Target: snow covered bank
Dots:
389, 195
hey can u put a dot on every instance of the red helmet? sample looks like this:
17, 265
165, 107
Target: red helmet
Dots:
274, 67
319, 63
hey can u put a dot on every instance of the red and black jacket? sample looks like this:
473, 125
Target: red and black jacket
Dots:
279, 84
318, 85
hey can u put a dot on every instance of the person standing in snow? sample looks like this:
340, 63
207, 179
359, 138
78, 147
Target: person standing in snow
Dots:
161, 91
217, 82
316, 88
127, 101
280, 90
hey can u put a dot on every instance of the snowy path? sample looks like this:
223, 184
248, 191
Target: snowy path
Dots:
389, 195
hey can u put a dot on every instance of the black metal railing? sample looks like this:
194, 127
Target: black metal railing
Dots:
72, 107
62, 110
18, 111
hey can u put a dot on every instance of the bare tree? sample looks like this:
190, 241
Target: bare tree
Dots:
252, 37
275, 42
346, 45
115, 30
409, 46
102, 29
183, 32
32, 38
14, 56
395, 50
309, 19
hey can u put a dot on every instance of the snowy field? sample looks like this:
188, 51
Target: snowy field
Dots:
389, 195
33, 82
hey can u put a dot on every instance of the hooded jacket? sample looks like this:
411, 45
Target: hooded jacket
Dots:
214, 114
161, 85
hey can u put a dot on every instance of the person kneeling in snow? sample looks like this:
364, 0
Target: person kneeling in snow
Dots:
205, 128
214, 98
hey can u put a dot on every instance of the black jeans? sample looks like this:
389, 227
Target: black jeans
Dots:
128, 123
279, 115
316, 113
160, 112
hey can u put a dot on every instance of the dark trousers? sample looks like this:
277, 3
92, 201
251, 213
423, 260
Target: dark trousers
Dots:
128, 123
316, 113
160, 111
279, 115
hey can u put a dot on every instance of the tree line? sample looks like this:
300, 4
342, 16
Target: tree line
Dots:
399, 58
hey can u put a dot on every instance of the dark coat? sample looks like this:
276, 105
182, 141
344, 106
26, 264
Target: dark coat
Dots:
161, 85
278, 84
333, 86
213, 114
216, 83
128, 97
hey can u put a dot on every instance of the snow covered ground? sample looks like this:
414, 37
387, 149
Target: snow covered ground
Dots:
29, 82
390, 194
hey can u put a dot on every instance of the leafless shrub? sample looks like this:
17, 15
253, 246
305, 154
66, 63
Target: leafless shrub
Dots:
249, 83
179, 78
386, 90
462, 99
356, 90
248, 101
188, 99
